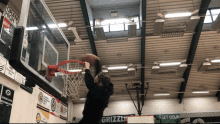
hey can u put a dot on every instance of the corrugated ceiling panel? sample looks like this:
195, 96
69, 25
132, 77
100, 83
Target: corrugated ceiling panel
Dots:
173, 49
167, 49
169, 6
119, 52
205, 49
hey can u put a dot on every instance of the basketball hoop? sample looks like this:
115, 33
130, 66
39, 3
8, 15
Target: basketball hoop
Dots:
71, 72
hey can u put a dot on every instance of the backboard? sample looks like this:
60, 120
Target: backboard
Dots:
39, 44
141, 119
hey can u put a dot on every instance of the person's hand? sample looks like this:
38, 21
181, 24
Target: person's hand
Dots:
87, 65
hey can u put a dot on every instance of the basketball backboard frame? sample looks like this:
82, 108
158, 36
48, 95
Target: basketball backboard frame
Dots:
51, 45
18, 47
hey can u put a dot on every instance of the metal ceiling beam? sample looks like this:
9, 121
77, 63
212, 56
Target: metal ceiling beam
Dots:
87, 23
143, 33
202, 12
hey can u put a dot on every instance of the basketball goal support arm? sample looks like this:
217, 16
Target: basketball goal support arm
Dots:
139, 110
131, 97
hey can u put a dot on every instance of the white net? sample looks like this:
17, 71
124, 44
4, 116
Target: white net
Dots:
72, 81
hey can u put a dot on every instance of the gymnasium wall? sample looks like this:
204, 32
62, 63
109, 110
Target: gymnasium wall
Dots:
155, 107
24, 107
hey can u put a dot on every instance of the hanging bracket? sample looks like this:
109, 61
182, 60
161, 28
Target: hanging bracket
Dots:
137, 87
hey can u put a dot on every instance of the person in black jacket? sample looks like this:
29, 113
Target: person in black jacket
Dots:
100, 90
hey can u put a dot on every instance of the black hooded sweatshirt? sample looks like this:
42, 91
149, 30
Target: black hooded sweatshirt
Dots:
97, 98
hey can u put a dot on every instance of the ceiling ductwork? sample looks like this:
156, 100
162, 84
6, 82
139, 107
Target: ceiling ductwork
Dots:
131, 70
204, 66
186, 28
210, 66
132, 29
191, 25
75, 33
100, 32
158, 26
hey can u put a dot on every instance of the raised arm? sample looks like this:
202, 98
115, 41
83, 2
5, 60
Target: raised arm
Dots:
89, 80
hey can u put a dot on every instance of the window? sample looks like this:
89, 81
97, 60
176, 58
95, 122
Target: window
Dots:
137, 23
215, 13
211, 15
119, 24
91, 23
208, 18
115, 24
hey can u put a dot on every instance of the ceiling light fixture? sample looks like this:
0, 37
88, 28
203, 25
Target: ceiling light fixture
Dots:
55, 26
161, 94
170, 64
117, 67
158, 26
31, 28
178, 15
105, 70
82, 98
201, 92
62, 25
216, 61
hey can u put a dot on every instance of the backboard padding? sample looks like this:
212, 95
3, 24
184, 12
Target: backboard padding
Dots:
141, 119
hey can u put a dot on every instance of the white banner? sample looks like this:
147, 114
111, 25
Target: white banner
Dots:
44, 99
2, 64
63, 111
9, 71
55, 106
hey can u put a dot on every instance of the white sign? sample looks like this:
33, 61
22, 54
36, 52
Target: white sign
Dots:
9, 71
55, 107
44, 99
63, 111
19, 78
2, 64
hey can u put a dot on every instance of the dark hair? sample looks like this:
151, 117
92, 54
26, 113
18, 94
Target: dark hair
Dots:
104, 78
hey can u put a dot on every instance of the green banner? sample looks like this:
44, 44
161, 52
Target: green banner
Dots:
169, 118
